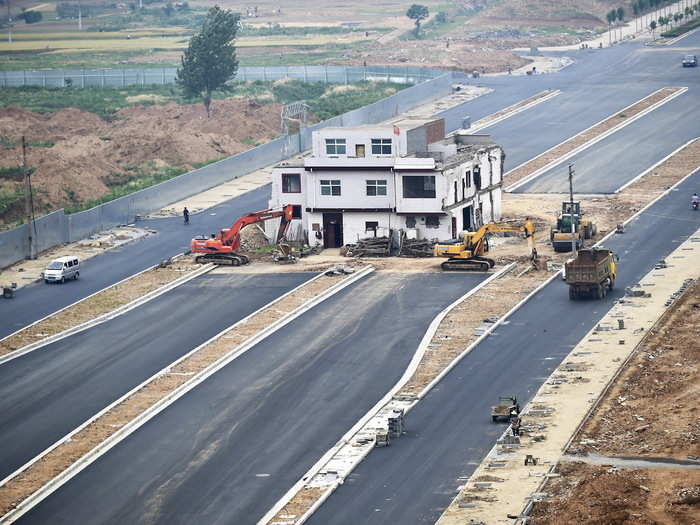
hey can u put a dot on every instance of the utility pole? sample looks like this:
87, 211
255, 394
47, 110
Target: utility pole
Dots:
80, 17
28, 207
571, 209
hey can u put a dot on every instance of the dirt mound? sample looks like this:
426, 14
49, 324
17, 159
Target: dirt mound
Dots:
588, 495
89, 154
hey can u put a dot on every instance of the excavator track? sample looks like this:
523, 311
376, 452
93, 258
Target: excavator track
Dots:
222, 259
473, 264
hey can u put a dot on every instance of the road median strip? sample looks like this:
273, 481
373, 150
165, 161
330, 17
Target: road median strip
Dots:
540, 164
36, 480
506, 483
100, 306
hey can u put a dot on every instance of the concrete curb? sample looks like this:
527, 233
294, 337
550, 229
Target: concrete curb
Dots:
102, 448
515, 111
106, 316
652, 168
347, 437
591, 142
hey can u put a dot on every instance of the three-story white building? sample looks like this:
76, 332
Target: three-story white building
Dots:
363, 181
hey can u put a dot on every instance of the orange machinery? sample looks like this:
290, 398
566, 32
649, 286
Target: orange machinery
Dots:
222, 248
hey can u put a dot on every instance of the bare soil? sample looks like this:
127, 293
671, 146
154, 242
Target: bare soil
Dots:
99, 304
649, 411
593, 495
652, 408
43, 470
558, 151
89, 152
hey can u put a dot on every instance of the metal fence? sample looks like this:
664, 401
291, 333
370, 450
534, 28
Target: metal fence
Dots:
55, 78
58, 227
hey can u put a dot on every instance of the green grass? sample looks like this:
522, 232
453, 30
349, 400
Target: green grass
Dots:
10, 197
106, 102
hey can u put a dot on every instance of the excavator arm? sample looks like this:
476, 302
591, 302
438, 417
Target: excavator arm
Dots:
470, 253
222, 248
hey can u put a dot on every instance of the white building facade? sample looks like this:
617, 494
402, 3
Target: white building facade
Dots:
364, 181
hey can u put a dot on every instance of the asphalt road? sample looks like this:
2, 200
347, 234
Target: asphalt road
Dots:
229, 449
598, 84
39, 300
47, 393
449, 432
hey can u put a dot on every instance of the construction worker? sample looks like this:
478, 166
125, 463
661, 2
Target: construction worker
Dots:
186, 215
694, 201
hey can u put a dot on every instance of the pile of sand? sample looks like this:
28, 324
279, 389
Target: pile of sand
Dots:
88, 151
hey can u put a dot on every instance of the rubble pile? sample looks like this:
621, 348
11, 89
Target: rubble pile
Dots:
370, 247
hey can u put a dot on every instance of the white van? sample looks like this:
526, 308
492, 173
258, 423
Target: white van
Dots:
61, 269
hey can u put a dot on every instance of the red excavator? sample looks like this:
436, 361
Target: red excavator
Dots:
223, 248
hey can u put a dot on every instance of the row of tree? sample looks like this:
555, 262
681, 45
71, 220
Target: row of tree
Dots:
640, 8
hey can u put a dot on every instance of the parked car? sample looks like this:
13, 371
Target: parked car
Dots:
690, 61
61, 269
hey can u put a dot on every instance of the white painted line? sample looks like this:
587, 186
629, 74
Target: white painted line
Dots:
347, 437
513, 112
593, 141
55, 483
629, 183
108, 315
86, 298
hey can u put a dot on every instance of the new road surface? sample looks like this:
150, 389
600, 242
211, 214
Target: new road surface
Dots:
600, 83
234, 445
450, 430
48, 392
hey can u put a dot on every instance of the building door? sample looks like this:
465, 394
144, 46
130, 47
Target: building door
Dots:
454, 227
467, 218
332, 230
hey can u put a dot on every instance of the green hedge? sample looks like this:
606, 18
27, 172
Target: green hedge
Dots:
678, 31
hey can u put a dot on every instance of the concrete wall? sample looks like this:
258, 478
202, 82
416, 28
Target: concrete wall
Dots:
58, 228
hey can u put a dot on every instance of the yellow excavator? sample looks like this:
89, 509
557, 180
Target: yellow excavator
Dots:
469, 252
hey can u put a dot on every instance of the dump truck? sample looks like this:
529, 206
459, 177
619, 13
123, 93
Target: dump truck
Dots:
506, 408
561, 234
591, 274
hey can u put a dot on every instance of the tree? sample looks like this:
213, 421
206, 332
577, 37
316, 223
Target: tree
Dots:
441, 17
418, 13
611, 16
652, 26
620, 16
31, 17
210, 58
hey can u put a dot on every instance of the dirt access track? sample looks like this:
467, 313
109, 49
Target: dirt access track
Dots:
649, 412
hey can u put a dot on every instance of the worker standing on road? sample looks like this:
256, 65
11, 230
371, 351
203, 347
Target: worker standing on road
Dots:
186, 215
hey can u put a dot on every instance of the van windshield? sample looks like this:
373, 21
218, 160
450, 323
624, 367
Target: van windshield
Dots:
55, 265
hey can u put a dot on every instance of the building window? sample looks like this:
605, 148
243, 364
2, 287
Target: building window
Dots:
330, 187
371, 227
418, 186
477, 178
291, 183
296, 211
432, 221
359, 150
376, 188
469, 179
335, 146
410, 221
381, 146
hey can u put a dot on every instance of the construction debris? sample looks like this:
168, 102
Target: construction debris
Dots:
416, 247
370, 247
